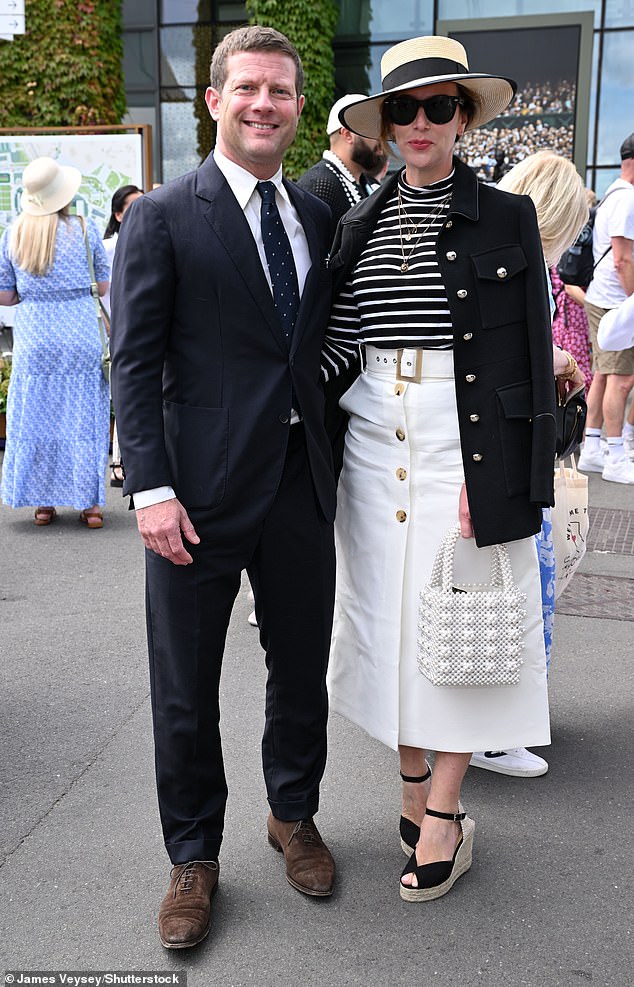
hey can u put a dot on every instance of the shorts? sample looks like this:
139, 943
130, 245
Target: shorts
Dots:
607, 361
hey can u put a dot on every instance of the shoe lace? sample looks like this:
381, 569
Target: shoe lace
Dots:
187, 876
306, 832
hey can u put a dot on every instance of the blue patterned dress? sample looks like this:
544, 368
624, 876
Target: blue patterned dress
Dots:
58, 409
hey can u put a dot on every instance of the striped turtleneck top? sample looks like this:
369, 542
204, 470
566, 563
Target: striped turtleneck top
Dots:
395, 296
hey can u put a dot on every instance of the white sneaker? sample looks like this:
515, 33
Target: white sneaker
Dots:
591, 462
252, 619
518, 762
628, 444
619, 470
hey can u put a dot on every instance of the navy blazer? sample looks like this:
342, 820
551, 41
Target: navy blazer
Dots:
202, 377
493, 269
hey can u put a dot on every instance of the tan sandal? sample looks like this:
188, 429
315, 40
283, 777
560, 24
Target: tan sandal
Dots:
44, 515
93, 519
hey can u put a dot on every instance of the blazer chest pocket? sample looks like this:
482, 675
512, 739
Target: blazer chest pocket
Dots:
500, 285
197, 441
514, 407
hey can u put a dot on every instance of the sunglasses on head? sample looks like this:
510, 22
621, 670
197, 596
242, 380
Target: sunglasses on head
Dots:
402, 110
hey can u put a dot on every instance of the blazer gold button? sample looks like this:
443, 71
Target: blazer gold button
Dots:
451, 255
401, 474
401, 516
474, 418
470, 378
399, 389
477, 456
448, 224
467, 336
501, 272
462, 293
400, 434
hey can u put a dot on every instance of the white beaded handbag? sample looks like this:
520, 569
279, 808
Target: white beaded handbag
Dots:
471, 634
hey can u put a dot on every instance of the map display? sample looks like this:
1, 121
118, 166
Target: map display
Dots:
106, 161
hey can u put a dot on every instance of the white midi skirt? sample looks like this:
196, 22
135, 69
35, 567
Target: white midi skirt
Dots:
397, 498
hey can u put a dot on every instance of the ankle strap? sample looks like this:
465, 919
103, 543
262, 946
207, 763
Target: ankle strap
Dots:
415, 779
451, 816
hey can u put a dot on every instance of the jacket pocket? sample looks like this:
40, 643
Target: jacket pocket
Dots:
515, 409
197, 443
500, 285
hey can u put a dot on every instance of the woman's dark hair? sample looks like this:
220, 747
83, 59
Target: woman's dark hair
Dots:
118, 205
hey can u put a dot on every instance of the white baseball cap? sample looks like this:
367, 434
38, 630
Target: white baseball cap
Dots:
334, 122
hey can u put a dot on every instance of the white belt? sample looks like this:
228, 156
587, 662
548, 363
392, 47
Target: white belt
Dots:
410, 365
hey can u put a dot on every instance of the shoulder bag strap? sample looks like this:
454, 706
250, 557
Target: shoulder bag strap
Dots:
94, 291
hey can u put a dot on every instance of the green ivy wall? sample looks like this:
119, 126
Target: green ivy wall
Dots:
67, 69
310, 26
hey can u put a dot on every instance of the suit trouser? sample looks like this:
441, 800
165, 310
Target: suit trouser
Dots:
290, 562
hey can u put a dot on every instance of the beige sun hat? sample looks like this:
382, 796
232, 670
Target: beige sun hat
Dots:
421, 62
48, 186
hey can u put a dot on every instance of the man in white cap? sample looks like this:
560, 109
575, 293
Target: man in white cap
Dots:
345, 174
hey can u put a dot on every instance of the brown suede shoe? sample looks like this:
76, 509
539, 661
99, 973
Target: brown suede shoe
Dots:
309, 864
183, 919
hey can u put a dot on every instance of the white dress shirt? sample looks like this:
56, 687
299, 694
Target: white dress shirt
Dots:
243, 185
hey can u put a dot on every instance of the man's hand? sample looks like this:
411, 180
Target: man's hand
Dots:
163, 527
466, 528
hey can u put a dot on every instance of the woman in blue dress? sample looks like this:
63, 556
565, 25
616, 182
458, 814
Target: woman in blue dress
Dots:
58, 408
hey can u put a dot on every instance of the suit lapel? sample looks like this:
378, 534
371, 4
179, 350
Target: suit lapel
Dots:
312, 237
225, 217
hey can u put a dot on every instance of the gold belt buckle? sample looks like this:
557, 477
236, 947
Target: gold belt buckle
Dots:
409, 369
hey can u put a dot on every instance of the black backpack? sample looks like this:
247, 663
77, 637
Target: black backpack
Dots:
576, 265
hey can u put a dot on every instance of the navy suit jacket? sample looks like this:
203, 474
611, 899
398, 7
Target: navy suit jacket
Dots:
201, 375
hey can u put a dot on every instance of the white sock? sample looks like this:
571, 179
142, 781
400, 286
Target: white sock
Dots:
616, 450
593, 440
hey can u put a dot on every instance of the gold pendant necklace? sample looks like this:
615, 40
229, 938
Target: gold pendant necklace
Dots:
408, 235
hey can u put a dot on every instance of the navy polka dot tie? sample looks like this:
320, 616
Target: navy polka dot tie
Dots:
279, 258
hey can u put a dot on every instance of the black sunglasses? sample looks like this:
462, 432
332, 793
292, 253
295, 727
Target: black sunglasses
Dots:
402, 110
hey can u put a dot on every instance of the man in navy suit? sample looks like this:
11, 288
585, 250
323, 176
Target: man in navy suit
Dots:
221, 297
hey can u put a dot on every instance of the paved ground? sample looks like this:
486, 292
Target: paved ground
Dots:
548, 901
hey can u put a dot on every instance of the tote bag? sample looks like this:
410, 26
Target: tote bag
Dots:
570, 522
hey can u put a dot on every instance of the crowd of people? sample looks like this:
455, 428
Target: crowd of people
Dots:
321, 404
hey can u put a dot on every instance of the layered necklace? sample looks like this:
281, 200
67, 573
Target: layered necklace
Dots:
407, 230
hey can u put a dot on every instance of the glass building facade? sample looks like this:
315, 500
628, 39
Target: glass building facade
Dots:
168, 44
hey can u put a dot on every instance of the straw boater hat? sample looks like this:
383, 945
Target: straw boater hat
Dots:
48, 186
421, 62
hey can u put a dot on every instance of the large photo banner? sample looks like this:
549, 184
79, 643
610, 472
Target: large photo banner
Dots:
550, 58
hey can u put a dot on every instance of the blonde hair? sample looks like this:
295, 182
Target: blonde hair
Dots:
558, 194
32, 241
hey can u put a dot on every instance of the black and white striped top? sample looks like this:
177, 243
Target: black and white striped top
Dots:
383, 305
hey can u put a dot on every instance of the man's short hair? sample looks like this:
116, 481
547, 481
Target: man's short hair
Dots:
627, 148
253, 38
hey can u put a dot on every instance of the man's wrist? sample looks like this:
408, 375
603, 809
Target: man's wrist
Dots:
157, 495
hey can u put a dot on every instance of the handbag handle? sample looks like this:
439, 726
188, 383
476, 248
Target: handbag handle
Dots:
442, 572
94, 291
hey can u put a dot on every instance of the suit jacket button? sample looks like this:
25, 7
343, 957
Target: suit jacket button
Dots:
448, 224
474, 418
401, 474
462, 293
477, 457
284, 419
470, 378
401, 516
400, 434
451, 255
501, 272
467, 336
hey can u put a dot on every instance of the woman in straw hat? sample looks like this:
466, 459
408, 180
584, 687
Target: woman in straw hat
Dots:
58, 406
442, 287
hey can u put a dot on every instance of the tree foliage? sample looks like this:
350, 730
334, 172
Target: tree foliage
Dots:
67, 69
311, 28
